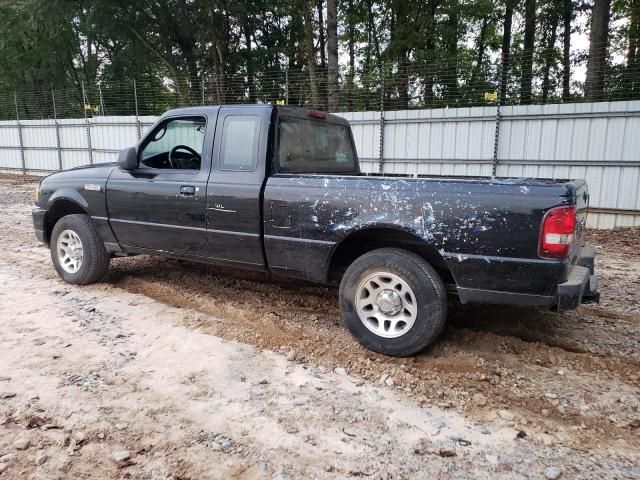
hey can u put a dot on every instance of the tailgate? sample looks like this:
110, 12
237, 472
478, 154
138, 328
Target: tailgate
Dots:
578, 191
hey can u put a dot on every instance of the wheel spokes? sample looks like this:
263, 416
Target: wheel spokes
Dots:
386, 304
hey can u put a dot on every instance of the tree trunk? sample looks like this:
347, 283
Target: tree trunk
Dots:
310, 54
321, 37
332, 56
429, 45
452, 52
567, 16
506, 49
549, 55
527, 52
477, 69
250, 73
594, 85
632, 82
352, 54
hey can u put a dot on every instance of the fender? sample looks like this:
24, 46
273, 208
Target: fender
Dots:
68, 194
386, 234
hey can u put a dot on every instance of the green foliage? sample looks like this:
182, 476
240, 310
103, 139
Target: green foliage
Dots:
399, 53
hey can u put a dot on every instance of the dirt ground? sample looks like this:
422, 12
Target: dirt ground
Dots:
174, 370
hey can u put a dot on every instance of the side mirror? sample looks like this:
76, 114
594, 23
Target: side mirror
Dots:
128, 159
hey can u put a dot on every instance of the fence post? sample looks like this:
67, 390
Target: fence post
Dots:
20, 142
86, 122
381, 147
102, 112
55, 120
135, 99
286, 86
496, 140
202, 90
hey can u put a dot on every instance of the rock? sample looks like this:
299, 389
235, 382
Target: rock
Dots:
3, 467
4, 379
492, 459
282, 476
5, 395
72, 446
7, 457
389, 382
447, 452
544, 412
506, 415
263, 468
291, 356
80, 437
22, 444
121, 455
479, 399
41, 457
552, 473
551, 396
340, 371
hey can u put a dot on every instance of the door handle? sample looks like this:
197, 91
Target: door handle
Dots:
187, 190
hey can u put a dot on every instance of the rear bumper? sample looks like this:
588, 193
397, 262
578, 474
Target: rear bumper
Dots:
38, 223
582, 284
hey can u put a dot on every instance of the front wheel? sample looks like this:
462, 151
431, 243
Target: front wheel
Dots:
393, 302
77, 251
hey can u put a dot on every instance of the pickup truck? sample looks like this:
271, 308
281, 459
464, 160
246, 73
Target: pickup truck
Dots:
279, 189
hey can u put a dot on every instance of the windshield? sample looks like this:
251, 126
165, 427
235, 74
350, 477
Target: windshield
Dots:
310, 146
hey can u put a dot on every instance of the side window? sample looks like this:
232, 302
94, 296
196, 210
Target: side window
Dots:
239, 145
175, 144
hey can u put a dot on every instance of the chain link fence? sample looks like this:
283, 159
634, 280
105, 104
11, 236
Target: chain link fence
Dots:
516, 79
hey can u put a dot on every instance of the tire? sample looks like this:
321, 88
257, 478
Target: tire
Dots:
388, 327
93, 257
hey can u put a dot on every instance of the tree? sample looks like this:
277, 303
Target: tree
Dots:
552, 18
596, 64
332, 56
567, 17
453, 30
506, 48
306, 41
632, 82
527, 51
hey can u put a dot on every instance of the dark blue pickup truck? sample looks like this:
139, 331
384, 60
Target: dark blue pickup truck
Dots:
279, 189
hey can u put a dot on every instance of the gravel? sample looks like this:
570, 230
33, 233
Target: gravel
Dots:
209, 353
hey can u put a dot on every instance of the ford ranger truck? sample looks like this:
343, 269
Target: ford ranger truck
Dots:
279, 189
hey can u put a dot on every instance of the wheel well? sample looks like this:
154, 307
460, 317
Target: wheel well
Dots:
59, 209
367, 240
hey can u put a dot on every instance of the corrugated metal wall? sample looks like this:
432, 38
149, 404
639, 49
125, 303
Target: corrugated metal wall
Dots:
599, 142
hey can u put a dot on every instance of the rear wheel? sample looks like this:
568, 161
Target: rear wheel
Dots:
77, 251
393, 301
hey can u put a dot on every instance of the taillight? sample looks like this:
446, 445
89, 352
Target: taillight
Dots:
558, 232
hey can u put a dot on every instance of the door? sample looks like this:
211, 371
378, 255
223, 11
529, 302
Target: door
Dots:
161, 204
234, 193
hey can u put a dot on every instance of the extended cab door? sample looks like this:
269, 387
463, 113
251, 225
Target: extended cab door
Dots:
234, 192
160, 205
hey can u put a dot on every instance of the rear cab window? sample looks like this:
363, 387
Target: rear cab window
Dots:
314, 146
240, 134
